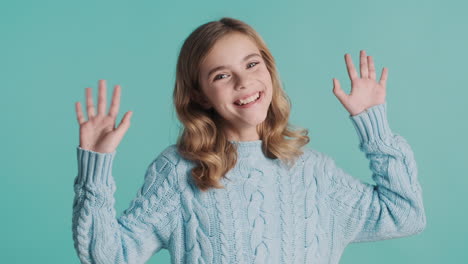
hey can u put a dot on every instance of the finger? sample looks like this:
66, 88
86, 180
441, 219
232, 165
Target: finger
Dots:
339, 93
350, 66
102, 97
124, 124
89, 103
114, 108
383, 77
363, 65
370, 62
79, 113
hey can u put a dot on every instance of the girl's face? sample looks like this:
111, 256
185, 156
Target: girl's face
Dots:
234, 69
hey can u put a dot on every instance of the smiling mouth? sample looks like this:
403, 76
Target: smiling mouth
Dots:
252, 99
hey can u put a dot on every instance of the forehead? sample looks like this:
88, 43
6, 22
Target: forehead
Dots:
228, 50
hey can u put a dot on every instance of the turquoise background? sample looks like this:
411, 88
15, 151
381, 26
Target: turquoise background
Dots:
52, 50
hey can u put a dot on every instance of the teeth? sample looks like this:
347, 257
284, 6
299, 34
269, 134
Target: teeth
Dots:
248, 100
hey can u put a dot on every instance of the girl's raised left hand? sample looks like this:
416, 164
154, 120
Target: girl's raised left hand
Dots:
365, 91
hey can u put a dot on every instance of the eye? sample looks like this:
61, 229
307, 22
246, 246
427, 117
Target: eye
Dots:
256, 62
216, 77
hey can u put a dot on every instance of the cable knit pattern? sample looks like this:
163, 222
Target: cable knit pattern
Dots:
233, 194
255, 212
197, 229
267, 213
286, 217
224, 214
101, 238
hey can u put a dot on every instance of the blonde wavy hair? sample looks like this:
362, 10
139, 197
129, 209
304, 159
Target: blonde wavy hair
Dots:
201, 139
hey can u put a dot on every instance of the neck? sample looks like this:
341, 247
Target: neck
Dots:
241, 135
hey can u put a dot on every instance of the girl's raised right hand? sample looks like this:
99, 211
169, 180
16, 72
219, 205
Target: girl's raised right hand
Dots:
98, 133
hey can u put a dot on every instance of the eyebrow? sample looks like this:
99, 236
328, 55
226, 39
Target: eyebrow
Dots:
224, 67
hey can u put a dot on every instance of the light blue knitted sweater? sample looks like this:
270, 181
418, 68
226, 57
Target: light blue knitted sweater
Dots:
266, 214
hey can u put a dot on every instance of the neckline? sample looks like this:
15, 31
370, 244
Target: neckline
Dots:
247, 148
246, 143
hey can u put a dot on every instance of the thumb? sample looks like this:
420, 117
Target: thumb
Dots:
339, 93
124, 124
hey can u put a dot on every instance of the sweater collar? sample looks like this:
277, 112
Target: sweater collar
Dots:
248, 148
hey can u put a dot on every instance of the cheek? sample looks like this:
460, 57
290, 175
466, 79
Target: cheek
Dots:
267, 81
266, 76
220, 98
269, 87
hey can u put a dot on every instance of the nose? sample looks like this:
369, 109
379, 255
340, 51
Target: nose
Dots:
242, 80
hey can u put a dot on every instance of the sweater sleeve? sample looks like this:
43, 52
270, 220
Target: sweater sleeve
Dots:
142, 229
391, 208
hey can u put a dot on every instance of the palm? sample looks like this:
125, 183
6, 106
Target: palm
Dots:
99, 133
365, 90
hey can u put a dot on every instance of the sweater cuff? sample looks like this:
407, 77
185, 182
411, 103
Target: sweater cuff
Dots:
94, 168
372, 124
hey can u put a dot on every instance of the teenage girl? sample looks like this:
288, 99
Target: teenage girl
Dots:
240, 186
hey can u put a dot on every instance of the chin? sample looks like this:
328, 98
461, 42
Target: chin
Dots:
256, 120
